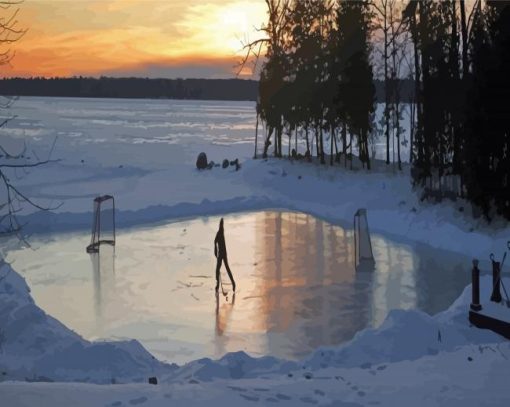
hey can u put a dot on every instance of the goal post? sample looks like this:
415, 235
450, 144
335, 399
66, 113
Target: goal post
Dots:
363, 254
103, 223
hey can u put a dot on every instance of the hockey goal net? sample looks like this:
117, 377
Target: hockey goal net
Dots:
103, 223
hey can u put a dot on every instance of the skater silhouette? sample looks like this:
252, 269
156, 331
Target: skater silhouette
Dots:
220, 251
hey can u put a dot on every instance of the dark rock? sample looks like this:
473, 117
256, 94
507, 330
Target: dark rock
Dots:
153, 380
202, 161
225, 163
210, 165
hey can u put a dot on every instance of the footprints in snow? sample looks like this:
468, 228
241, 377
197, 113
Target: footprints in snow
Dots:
133, 402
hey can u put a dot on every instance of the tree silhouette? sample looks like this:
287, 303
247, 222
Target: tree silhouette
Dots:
12, 198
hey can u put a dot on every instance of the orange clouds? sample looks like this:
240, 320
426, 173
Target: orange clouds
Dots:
93, 37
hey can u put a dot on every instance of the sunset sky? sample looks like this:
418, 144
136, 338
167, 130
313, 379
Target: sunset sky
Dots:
172, 38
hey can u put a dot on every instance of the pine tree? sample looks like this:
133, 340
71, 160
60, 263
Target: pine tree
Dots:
356, 88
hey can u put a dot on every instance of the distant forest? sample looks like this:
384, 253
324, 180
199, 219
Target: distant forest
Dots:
196, 89
106, 87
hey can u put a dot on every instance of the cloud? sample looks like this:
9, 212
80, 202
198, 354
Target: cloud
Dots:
212, 68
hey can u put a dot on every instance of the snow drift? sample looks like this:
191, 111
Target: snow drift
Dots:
35, 346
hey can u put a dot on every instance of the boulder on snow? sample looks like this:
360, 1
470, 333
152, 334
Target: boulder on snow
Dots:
202, 161
210, 165
225, 163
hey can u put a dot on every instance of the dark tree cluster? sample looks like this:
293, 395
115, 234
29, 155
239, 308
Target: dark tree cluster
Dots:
204, 89
320, 72
316, 82
486, 155
462, 141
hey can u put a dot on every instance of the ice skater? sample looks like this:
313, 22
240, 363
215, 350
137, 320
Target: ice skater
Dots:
220, 251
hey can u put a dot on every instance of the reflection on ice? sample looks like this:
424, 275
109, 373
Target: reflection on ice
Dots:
297, 286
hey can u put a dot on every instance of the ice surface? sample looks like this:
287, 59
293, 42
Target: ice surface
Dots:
297, 286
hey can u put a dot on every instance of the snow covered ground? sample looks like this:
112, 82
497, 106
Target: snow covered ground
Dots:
143, 152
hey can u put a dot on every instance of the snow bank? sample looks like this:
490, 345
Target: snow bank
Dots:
410, 335
35, 346
233, 366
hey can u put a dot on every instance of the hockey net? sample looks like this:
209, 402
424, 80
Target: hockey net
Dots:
103, 223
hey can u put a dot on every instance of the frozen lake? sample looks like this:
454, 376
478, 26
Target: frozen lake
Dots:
297, 287
169, 131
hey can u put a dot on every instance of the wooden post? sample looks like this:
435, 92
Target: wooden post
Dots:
475, 284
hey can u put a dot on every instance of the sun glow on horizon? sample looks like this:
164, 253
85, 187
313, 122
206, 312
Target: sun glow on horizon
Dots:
224, 29
100, 37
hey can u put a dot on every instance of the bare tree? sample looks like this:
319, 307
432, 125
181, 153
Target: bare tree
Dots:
272, 76
12, 198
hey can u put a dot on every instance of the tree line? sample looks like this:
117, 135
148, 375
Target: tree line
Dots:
322, 59
107, 87
150, 88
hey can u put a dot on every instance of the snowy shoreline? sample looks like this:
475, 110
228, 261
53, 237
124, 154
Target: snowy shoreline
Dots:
393, 207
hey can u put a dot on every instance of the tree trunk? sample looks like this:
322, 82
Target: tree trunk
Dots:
411, 130
365, 141
337, 158
344, 142
417, 93
331, 147
280, 147
398, 143
465, 63
386, 89
308, 144
295, 140
323, 161
350, 139
276, 142
268, 141
290, 141
256, 136
317, 142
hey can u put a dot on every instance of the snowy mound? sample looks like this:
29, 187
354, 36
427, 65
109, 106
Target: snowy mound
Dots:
35, 346
237, 365
410, 335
